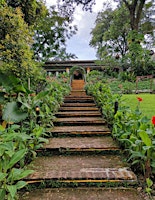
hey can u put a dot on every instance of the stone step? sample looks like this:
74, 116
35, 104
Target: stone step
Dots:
79, 97
78, 109
81, 169
79, 105
77, 84
84, 193
78, 93
80, 144
76, 100
79, 114
79, 120
79, 130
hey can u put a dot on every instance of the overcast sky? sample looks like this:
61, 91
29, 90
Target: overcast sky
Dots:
79, 44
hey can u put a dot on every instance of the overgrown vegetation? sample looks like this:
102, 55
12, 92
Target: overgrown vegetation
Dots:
130, 127
26, 115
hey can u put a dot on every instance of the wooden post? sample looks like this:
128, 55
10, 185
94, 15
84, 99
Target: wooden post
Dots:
88, 70
29, 83
115, 107
67, 70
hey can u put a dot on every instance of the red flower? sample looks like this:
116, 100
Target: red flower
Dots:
153, 120
139, 99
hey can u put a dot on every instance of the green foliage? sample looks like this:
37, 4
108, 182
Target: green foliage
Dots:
95, 75
26, 133
149, 183
12, 113
77, 68
16, 39
103, 97
132, 129
50, 36
11, 174
32, 10
138, 57
136, 135
147, 105
122, 38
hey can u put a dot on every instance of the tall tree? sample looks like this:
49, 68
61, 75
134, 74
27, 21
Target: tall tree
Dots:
135, 8
110, 32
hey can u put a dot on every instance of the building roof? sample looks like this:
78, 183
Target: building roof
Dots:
62, 65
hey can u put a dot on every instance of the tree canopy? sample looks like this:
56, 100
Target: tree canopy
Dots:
50, 36
124, 42
15, 43
32, 9
110, 33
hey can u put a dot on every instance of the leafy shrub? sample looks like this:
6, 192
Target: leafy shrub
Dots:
104, 98
136, 135
23, 129
133, 131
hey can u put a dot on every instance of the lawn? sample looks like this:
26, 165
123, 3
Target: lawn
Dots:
147, 105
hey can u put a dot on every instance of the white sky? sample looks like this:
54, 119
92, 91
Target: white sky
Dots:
85, 21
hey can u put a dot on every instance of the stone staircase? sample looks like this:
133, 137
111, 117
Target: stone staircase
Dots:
81, 160
77, 85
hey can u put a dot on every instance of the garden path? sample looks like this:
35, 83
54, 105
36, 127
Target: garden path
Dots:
81, 160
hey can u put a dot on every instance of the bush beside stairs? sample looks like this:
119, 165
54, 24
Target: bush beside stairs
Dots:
81, 160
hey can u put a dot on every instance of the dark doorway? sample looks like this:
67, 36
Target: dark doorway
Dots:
77, 75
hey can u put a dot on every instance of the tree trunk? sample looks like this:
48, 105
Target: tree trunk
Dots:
135, 10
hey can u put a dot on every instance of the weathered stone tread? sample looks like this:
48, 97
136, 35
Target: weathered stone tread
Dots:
84, 120
79, 105
79, 113
78, 109
105, 142
81, 167
83, 194
80, 129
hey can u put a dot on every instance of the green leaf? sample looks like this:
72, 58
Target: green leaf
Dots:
2, 128
20, 184
16, 157
2, 194
41, 94
38, 131
21, 173
145, 138
2, 176
149, 182
12, 189
12, 113
20, 88
2, 98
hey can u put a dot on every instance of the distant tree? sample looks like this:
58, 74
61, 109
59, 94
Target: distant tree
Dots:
114, 37
51, 34
109, 35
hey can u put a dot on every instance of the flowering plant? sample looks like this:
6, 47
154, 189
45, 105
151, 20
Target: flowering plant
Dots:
153, 120
139, 99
